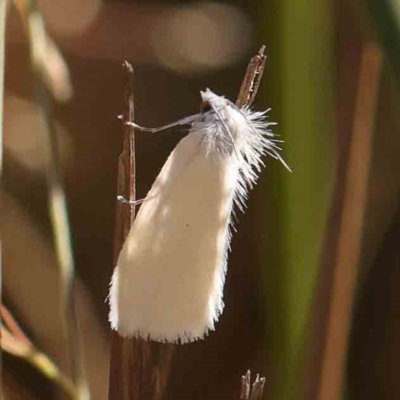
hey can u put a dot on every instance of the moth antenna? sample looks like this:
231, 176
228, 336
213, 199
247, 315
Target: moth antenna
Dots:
183, 121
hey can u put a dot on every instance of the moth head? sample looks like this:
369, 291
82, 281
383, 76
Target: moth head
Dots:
208, 95
211, 101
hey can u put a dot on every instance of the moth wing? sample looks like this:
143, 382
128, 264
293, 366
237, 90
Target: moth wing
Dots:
169, 278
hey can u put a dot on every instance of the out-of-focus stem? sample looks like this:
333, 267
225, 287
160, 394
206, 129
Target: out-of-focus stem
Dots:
351, 225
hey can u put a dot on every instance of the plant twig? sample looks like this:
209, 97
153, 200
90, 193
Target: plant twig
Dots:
251, 392
3, 17
252, 79
138, 368
9, 321
62, 235
245, 386
14, 341
347, 252
51, 78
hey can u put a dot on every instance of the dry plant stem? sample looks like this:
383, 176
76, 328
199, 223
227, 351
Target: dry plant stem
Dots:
252, 79
257, 388
46, 59
12, 325
15, 342
62, 237
351, 225
245, 386
3, 17
139, 368
38, 39
251, 392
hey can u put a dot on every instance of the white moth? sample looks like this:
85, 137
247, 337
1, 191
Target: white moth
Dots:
168, 282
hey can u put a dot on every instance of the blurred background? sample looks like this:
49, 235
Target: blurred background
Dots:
312, 299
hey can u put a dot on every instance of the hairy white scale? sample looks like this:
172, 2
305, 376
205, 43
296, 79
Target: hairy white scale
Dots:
168, 282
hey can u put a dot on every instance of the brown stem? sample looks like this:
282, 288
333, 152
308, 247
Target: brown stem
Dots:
252, 79
138, 368
347, 251
251, 392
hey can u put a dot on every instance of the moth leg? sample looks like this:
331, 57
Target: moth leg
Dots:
126, 201
123, 200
